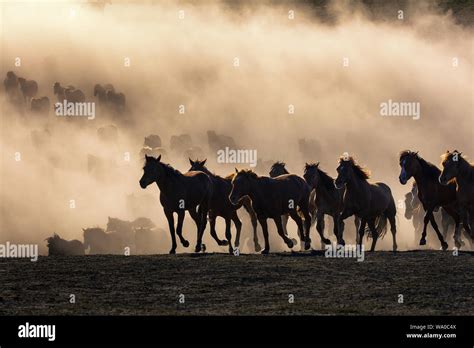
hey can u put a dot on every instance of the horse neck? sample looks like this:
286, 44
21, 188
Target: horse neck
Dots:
358, 186
255, 192
165, 182
465, 173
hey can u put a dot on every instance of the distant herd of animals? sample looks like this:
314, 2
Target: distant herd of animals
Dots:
22, 93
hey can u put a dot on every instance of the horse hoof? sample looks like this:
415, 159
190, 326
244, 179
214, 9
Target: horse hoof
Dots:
198, 248
264, 252
341, 242
172, 251
185, 243
294, 241
458, 244
326, 241
289, 243
203, 247
444, 245
223, 243
422, 241
257, 247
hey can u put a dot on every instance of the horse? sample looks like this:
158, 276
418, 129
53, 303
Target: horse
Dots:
29, 89
152, 141
116, 101
367, 201
179, 193
70, 94
59, 246
458, 170
414, 212
430, 192
101, 242
40, 105
126, 228
147, 240
279, 168
272, 198
101, 93
221, 206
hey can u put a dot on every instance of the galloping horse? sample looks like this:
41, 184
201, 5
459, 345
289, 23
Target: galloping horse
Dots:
179, 192
457, 169
272, 198
430, 192
279, 168
220, 205
365, 200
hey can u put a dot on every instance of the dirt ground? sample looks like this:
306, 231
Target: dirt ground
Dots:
431, 283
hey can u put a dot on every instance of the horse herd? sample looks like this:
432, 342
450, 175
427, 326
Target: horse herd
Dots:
205, 195
23, 94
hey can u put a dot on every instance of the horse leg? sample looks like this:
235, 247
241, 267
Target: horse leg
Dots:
170, 218
393, 229
253, 219
320, 226
375, 234
203, 210
284, 222
444, 245
228, 235
179, 229
196, 218
238, 227
281, 231
212, 224
263, 223
360, 233
294, 215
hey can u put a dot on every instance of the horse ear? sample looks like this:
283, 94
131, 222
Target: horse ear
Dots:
147, 157
190, 161
204, 162
317, 164
236, 170
84, 229
159, 158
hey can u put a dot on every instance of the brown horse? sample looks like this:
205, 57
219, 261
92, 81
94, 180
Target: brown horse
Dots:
430, 192
456, 168
414, 211
221, 206
279, 168
272, 198
179, 193
365, 200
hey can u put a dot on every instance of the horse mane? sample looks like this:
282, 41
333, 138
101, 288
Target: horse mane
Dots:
359, 171
429, 169
465, 167
326, 179
248, 172
170, 171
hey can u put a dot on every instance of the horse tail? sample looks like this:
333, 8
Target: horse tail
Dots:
380, 227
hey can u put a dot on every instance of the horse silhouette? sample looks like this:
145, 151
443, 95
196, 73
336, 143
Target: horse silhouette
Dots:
58, 246
430, 192
221, 206
29, 89
100, 242
279, 168
367, 201
179, 193
457, 169
272, 198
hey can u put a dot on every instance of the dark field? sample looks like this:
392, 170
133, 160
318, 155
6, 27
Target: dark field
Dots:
431, 282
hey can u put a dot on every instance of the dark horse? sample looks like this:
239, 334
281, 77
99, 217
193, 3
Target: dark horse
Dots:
220, 205
457, 169
279, 168
430, 192
179, 192
365, 200
414, 211
328, 199
272, 198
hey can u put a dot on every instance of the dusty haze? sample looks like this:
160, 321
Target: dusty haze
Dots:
190, 61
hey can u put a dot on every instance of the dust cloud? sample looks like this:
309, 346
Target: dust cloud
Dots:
237, 70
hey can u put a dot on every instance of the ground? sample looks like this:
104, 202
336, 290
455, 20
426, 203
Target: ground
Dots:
431, 282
